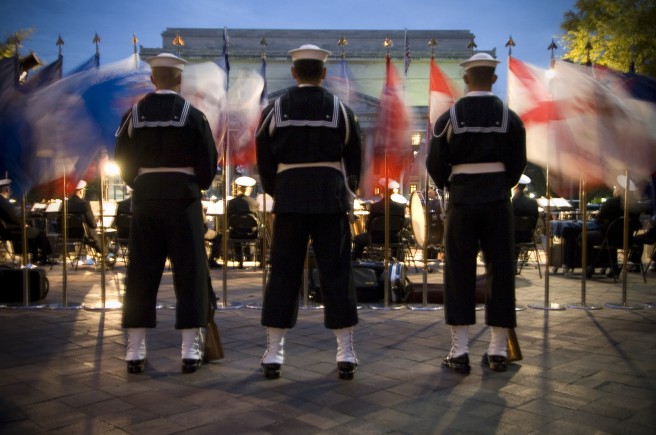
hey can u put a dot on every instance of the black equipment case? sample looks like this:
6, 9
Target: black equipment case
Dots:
369, 281
11, 284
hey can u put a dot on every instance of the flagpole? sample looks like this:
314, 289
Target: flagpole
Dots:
386, 198
547, 304
623, 304
425, 306
264, 225
510, 44
225, 305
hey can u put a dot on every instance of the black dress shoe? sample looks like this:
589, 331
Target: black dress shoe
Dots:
190, 365
271, 370
136, 365
346, 370
459, 363
497, 363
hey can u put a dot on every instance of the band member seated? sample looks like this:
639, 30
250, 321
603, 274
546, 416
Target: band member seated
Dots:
243, 204
38, 244
396, 209
523, 205
79, 206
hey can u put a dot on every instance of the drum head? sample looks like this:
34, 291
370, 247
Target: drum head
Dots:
418, 217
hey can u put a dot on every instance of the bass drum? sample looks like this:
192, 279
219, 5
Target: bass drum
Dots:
418, 221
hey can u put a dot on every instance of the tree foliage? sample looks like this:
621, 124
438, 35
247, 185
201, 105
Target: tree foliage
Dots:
619, 32
8, 47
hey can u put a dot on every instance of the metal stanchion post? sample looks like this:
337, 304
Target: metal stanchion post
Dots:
547, 304
65, 304
624, 305
25, 269
584, 256
386, 291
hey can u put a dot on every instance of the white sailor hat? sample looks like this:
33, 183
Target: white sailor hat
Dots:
393, 184
5, 182
81, 185
166, 60
245, 181
480, 59
524, 179
621, 181
309, 51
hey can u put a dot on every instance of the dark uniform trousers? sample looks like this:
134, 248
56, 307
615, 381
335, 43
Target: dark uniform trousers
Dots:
170, 227
289, 247
491, 224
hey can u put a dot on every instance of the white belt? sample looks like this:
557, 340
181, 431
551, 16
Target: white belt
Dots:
478, 168
185, 170
285, 166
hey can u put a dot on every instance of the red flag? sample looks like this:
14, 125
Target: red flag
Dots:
392, 140
568, 120
443, 92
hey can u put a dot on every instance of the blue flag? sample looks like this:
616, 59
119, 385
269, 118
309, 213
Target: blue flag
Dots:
92, 62
44, 76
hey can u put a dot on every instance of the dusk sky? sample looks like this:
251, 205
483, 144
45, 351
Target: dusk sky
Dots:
531, 24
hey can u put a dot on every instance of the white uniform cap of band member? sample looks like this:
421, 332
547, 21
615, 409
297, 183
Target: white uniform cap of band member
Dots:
524, 179
480, 60
81, 185
391, 185
245, 181
166, 60
310, 52
5, 182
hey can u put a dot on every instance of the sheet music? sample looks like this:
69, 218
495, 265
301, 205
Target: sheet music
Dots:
54, 207
39, 207
109, 208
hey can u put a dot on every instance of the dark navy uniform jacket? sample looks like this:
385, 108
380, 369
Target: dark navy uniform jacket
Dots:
324, 130
477, 129
184, 139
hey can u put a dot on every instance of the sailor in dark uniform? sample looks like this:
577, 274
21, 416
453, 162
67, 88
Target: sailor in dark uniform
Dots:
166, 153
308, 156
478, 151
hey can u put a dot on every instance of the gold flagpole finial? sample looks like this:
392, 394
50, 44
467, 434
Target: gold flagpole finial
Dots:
134, 42
472, 45
552, 47
510, 44
60, 44
388, 44
178, 42
263, 44
343, 42
432, 44
96, 40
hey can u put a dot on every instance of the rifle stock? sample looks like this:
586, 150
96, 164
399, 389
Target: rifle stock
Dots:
514, 352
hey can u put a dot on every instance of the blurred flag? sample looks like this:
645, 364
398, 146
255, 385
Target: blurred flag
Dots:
44, 76
71, 120
392, 153
264, 98
244, 107
203, 85
407, 56
8, 73
340, 82
92, 62
224, 60
442, 92
576, 124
